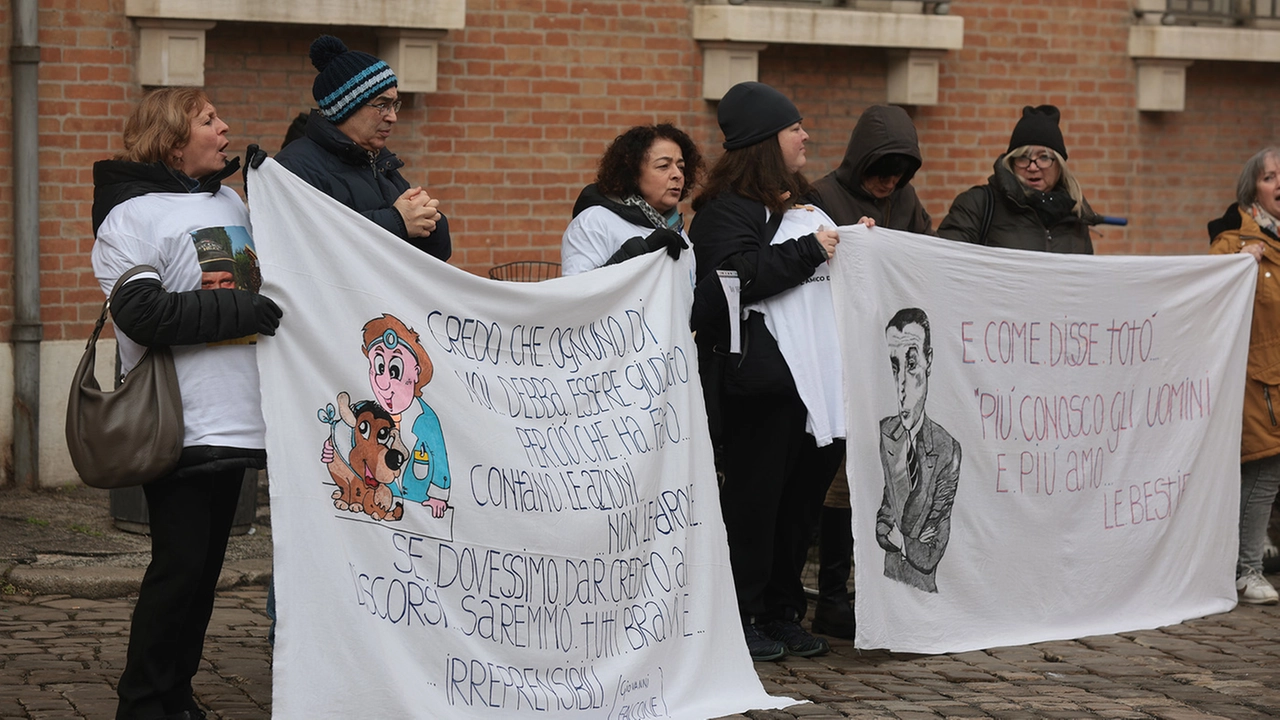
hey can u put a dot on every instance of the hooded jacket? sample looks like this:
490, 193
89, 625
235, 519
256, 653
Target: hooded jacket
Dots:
366, 182
146, 214
1260, 435
1014, 223
882, 130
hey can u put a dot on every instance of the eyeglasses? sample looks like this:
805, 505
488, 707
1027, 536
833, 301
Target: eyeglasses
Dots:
385, 108
1043, 162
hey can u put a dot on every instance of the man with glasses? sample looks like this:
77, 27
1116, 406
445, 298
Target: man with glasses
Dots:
1031, 202
344, 153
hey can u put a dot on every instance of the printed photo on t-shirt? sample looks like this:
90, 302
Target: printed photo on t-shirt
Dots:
227, 262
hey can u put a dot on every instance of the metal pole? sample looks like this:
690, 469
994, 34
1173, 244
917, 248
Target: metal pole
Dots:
24, 58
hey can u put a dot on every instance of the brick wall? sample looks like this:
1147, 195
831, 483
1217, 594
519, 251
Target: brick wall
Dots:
532, 91
1184, 166
85, 89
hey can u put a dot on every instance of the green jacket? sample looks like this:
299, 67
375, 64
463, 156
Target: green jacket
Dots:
1014, 224
881, 130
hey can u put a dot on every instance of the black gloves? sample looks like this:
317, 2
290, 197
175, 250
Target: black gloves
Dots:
253, 157
670, 239
150, 315
268, 313
657, 240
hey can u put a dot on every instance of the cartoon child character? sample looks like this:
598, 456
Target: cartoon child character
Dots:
398, 370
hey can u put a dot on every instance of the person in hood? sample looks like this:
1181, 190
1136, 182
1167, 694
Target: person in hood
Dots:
1252, 225
161, 203
633, 206
1032, 201
874, 179
344, 151
873, 182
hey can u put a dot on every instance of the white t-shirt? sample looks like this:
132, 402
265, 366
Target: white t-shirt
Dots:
803, 321
221, 399
594, 236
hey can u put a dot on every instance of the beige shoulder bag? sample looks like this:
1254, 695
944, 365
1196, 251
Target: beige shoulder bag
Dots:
132, 435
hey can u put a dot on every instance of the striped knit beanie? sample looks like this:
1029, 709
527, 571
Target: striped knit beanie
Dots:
348, 79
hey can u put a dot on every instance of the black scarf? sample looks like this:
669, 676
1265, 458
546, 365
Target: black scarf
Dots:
1051, 207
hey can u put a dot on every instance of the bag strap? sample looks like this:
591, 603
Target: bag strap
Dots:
771, 227
106, 306
988, 209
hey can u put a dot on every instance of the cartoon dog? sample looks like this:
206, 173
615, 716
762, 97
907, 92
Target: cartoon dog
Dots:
364, 479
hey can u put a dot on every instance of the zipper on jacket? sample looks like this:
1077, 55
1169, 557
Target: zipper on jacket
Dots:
1266, 393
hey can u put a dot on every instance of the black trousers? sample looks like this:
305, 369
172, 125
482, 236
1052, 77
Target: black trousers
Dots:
775, 479
191, 520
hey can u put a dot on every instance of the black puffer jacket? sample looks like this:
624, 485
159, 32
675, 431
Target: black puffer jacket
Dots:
1014, 223
367, 183
882, 130
729, 233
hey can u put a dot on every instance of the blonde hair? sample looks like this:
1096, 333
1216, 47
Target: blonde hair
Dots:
1065, 180
161, 124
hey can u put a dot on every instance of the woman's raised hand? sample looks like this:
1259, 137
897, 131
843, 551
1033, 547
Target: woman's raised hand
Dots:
829, 239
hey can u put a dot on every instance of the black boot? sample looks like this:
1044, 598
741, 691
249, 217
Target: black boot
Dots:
834, 614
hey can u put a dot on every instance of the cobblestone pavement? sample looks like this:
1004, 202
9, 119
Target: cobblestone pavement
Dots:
60, 657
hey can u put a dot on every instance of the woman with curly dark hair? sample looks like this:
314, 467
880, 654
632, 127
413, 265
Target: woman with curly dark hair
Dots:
632, 207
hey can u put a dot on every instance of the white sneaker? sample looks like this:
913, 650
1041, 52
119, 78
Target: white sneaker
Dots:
1255, 590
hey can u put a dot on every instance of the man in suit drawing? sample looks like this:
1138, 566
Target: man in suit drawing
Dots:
921, 463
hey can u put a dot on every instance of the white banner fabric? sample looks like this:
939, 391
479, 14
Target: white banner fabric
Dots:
489, 499
1056, 456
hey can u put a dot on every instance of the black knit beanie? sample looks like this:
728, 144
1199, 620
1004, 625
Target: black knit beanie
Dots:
753, 112
1038, 126
348, 78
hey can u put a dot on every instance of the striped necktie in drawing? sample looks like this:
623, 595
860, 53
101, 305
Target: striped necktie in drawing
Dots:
913, 463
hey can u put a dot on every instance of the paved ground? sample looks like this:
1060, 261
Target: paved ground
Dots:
60, 654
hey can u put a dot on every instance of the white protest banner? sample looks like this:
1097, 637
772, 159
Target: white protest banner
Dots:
1041, 446
488, 499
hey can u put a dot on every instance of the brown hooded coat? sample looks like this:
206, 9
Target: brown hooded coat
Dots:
882, 130
1260, 436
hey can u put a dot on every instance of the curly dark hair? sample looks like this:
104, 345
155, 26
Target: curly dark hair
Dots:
620, 165
756, 172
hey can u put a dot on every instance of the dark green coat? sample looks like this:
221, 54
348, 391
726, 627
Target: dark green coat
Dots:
1014, 224
881, 130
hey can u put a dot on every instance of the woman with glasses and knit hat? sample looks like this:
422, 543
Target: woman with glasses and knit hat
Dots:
1031, 202
775, 475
